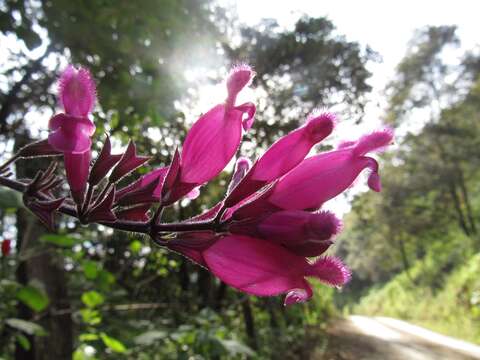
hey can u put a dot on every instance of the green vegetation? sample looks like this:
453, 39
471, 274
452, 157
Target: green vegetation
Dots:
414, 250
452, 309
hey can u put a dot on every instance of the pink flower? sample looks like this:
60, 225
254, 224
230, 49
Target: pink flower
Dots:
324, 176
71, 131
262, 268
284, 155
214, 138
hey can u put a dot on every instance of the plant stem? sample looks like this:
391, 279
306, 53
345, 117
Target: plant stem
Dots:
9, 161
132, 226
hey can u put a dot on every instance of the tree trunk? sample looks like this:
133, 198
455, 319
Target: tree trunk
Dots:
466, 199
458, 208
249, 324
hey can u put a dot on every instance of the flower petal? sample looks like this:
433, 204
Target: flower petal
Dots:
255, 266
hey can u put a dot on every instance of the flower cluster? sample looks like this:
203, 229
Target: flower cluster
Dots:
269, 234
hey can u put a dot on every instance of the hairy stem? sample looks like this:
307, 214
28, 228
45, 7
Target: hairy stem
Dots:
132, 226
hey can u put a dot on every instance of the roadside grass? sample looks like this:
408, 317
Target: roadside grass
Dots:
435, 294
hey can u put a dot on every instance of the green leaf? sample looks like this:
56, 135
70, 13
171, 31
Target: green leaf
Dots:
236, 348
135, 246
33, 297
81, 354
91, 317
91, 269
27, 327
59, 240
92, 298
23, 341
88, 337
113, 344
150, 337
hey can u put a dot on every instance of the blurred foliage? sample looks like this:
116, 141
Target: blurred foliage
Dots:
413, 249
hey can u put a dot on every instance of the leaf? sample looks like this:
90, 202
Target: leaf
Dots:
27, 327
33, 297
234, 347
88, 337
82, 353
92, 298
135, 246
150, 337
91, 317
23, 341
59, 240
113, 344
91, 269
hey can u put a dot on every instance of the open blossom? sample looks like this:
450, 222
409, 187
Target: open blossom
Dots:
321, 177
215, 137
262, 268
324, 176
71, 131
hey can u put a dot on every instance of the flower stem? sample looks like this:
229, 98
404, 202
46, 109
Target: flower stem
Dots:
9, 161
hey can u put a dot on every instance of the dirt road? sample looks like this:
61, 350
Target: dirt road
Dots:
380, 338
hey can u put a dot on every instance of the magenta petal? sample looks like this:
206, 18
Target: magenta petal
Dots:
249, 109
374, 182
241, 168
210, 144
77, 91
192, 244
285, 154
318, 179
330, 271
239, 77
311, 248
255, 266
71, 134
193, 194
293, 227
375, 141
77, 168
291, 149
297, 296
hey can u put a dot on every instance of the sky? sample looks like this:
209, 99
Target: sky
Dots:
386, 26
